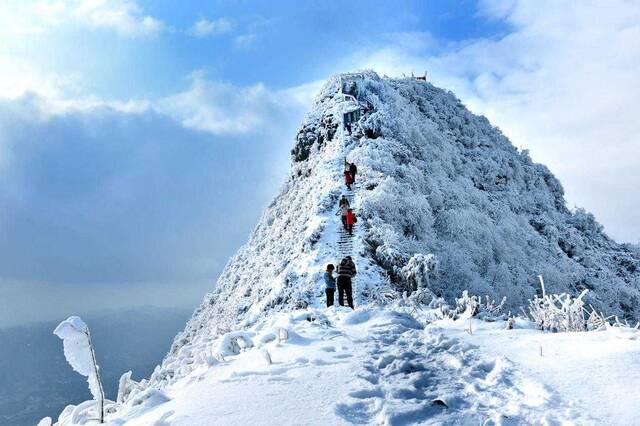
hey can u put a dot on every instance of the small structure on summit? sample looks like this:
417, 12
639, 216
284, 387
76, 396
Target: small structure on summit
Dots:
420, 77
351, 112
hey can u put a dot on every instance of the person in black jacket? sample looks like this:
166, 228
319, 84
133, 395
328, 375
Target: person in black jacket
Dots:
346, 271
353, 170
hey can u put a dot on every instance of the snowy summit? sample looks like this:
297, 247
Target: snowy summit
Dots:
444, 208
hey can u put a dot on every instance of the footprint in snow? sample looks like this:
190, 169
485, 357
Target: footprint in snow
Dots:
359, 412
407, 393
163, 420
343, 355
371, 378
321, 362
413, 416
367, 393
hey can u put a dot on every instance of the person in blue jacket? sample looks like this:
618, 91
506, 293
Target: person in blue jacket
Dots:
330, 284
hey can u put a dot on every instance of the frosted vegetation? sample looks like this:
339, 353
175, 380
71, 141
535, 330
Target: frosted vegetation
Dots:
441, 180
79, 353
448, 210
446, 204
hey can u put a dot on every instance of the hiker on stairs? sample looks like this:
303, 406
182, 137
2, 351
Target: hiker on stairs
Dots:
344, 201
346, 272
342, 211
350, 220
330, 284
353, 170
348, 180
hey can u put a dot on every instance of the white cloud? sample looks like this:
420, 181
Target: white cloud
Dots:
36, 35
125, 17
222, 108
212, 106
18, 77
204, 28
564, 82
244, 41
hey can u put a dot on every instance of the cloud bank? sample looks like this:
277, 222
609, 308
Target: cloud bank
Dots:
98, 197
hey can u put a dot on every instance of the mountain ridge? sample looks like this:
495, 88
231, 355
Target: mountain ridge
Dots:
434, 179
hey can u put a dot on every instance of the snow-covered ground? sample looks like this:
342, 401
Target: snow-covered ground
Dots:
400, 366
596, 372
446, 204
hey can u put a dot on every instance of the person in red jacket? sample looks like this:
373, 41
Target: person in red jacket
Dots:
348, 179
350, 220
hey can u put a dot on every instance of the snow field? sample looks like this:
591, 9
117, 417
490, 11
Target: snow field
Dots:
389, 366
596, 372
434, 182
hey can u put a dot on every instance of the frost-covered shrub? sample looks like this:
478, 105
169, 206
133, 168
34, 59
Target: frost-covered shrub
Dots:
469, 306
418, 271
234, 342
127, 387
559, 312
563, 313
473, 306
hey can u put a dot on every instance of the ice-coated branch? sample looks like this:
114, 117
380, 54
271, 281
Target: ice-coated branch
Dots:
78, 351
544, 293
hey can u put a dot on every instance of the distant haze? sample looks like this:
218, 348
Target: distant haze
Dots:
36, 381
134, 163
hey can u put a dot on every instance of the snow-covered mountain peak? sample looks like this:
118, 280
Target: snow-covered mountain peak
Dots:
434, 179
445, 204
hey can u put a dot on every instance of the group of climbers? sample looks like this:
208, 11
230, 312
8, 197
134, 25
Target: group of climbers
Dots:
346, 271
350, 171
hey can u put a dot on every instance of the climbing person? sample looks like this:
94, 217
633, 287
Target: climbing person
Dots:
347, 166
346, 271
347, 125
348, 180
344, 201
330, 284
353, 170
342, 211
350, 220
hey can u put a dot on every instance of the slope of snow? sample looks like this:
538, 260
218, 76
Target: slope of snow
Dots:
597, 372
433, 179
446, 204
399, 365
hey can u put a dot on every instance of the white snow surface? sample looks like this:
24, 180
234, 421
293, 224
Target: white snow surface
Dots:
445, 204
433, 180
398, 365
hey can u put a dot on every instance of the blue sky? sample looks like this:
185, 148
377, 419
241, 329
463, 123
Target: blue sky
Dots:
139, 140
